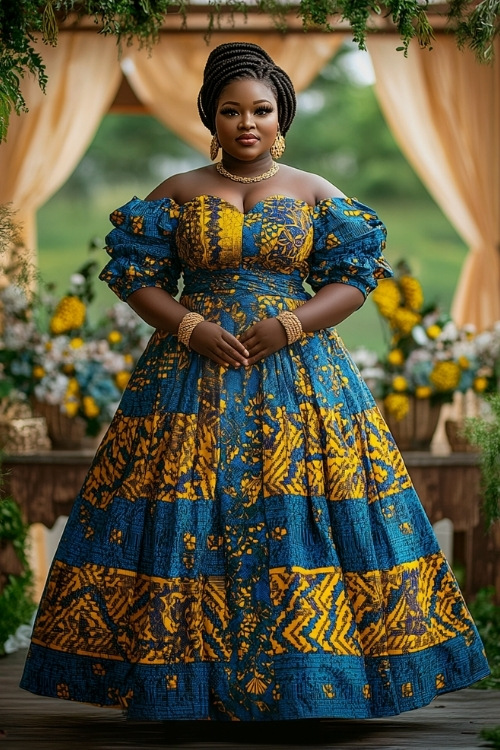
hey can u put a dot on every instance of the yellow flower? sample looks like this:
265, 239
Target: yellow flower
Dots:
397, 404
72, 389
480, 384
387, 297
76, 343
69, 314
412, 292
433, 331
400, 384
423, 391
121, 379
128, 359
395, 357
90, 408
71, 408
68, 368
463, 362
403, 320
114, 337
445, 376
38, 371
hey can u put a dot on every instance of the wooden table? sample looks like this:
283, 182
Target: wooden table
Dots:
46, 484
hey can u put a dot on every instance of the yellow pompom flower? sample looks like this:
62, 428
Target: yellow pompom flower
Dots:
387, 297
403, 320
90, 408
38, 371
463, 362
395, 357
433, 331
114, 337
128, 359
72, 389
121, 379
69, 314
412, 292
71, 407
400, 384
76, 343
445, 376
397, 404
480, 384
423, 391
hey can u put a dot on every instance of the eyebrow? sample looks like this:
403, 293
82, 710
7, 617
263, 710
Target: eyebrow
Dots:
257, 101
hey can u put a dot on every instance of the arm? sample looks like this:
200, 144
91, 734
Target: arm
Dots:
158, 308
331, 305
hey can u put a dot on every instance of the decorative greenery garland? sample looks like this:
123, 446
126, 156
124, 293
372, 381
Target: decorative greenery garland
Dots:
475, 26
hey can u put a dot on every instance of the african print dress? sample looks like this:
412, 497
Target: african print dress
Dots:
247, 544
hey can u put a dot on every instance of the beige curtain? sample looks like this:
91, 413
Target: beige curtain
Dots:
44, 145
444, 109
168, 80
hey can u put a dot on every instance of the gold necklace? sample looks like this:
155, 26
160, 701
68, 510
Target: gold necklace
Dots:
258, 178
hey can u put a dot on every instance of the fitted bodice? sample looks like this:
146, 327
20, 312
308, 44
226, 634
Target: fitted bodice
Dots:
276, 234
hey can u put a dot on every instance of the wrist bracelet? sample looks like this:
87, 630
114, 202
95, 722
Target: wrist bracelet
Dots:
292, 326
187, 326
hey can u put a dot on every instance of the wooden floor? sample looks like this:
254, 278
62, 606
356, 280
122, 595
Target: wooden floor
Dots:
28, 722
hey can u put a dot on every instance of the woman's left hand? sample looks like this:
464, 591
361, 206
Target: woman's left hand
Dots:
263, 338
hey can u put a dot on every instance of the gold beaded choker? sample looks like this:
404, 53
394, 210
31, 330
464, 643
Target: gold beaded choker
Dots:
258, 178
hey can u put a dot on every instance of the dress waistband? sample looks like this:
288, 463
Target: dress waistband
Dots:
236, 282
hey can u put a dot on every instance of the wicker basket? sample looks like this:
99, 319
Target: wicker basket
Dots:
65, 433
415, 431
457, 440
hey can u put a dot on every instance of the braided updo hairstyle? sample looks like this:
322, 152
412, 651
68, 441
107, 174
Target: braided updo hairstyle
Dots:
239, 60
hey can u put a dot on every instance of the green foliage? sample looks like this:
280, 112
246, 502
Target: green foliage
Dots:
492, 735
477, 27
16, 604
486, 615
485, 433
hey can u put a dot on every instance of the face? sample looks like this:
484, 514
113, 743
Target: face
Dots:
246, 119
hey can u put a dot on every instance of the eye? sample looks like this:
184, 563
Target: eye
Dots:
264, 110
231, 111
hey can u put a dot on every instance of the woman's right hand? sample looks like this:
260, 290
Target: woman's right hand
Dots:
214, 342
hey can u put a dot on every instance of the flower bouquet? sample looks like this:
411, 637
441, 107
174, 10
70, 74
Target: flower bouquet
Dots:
52, 355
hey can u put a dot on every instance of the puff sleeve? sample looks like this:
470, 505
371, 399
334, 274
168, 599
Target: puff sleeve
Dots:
142, 247
348, 244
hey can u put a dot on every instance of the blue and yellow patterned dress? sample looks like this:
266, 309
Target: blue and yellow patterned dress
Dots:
247, 544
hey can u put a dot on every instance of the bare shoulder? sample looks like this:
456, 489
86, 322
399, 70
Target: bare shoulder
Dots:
314, 187
179, 185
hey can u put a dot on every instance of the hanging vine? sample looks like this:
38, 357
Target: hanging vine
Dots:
475, 24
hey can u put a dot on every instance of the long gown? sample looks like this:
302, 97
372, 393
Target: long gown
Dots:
247, 544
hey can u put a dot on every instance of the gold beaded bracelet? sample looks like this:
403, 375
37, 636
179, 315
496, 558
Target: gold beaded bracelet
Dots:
187, 326
291, 324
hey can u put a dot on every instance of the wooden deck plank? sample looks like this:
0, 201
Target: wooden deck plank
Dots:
33, 723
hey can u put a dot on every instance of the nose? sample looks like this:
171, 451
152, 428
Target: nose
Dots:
246, 121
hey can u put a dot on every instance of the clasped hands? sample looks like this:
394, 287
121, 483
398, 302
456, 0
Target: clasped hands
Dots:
256, 343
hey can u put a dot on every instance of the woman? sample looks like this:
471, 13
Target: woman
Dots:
247, 544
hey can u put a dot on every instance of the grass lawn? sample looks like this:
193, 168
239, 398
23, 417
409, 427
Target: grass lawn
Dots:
417, 233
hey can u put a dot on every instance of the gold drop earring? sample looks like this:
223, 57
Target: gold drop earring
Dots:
278, 147
214, 147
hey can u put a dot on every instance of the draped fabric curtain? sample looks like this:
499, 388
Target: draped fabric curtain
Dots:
444, 109
44, 145
168, 80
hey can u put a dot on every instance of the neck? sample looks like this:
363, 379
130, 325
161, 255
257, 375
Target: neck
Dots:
247, 168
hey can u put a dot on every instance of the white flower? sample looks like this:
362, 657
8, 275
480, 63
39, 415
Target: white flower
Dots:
14, 299
364, 357
419, 336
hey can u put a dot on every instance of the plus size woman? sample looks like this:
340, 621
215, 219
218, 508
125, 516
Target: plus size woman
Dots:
247, 544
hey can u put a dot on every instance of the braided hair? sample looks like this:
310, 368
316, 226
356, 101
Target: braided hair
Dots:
239, 60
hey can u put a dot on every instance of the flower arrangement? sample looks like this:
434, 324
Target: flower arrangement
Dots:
50, 351
428, 356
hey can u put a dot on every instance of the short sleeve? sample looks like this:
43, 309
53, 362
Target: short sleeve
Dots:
348, 245
142, 247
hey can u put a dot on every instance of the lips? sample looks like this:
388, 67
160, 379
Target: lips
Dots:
247, 138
